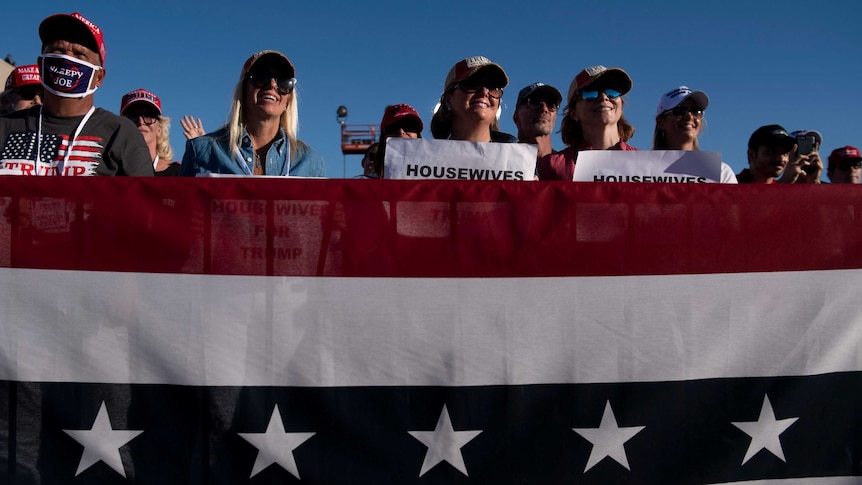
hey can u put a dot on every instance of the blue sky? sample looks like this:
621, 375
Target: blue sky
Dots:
791, 62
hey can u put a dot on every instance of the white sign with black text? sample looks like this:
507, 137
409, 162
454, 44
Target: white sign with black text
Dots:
458, 160
666, 166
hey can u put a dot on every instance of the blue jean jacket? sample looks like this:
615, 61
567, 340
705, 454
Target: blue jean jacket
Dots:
210, 153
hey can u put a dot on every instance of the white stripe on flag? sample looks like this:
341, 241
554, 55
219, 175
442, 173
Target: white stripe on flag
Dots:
305, 331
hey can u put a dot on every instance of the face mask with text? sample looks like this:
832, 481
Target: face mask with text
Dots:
67, 76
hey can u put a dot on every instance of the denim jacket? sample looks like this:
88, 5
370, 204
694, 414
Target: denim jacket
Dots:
210, 153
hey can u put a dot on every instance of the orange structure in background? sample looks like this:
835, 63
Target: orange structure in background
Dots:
355, 139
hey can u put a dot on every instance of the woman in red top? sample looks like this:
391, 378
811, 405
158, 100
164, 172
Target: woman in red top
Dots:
593, 120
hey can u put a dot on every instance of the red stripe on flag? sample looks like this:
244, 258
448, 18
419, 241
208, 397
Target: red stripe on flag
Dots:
82, 148
426, 228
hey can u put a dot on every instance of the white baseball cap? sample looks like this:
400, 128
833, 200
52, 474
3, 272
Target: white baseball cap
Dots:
673, 98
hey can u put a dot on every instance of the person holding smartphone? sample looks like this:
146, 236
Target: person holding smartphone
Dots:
808, 143
773, 158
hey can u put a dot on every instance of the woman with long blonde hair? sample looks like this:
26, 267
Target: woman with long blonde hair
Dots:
679, 121
260, 135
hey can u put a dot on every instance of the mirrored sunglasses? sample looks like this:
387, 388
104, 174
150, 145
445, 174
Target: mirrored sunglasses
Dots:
611, 93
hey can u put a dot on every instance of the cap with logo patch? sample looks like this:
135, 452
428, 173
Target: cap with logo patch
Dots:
613, 78
466, 68
675, 97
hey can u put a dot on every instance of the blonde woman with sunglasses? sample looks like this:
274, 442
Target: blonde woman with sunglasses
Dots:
260, 135
679, 122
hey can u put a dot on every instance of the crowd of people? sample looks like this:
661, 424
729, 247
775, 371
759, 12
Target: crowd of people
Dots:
50, 126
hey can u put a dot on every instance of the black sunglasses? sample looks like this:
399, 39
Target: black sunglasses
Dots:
473, 88
28, 93
536, 103
395, 128
147, 119
261, 80
681, 111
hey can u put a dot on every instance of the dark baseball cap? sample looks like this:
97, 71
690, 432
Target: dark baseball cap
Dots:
770, 135
539, 88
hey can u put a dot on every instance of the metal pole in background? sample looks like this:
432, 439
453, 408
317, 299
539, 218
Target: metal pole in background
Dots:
341, 118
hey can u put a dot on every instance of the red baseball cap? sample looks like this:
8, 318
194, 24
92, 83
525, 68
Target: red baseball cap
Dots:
844, 153
140, 96
75, 27
23, 76
612, 77
396, 113
465, 68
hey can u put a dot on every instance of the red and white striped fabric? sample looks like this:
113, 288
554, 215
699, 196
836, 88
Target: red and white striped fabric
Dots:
234, 330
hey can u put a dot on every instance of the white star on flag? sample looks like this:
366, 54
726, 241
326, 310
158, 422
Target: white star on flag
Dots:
765, 432
444, 444
102, 442
275, 445
608, 439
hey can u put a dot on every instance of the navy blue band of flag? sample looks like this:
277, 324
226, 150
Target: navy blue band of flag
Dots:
361, 434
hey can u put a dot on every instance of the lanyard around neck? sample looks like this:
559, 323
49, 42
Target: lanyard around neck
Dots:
69, 145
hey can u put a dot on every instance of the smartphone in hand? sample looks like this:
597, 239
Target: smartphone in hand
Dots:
805, 144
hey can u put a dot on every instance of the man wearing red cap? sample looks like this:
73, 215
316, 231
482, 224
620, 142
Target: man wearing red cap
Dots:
68, 135
23, 89
845, 165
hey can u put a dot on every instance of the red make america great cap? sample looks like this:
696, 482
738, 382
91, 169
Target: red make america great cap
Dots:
23, 76
73, 27
844, 153
140, 96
